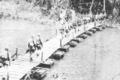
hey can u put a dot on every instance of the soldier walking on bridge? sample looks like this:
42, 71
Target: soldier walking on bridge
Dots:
5, 62
39, 45
31, 47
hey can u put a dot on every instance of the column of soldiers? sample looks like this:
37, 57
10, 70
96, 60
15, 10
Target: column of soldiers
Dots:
34, 46
65, 29
66, 24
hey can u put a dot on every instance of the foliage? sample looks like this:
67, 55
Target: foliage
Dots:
53, 8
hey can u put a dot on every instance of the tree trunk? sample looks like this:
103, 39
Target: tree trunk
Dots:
91, 6
104, 4
41, 1
114, 4
114, 9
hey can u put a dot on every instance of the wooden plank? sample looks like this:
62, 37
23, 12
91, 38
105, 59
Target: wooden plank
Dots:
21, 67
27, 64
14, 77
16, 74
24, 56
0, 77
24, 63
18, 71
19, 74
35, 60
2, 71
25, 67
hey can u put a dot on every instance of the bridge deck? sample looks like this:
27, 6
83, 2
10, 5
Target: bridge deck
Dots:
21, 66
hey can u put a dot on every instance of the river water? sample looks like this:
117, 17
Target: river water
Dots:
16, 34
96, 58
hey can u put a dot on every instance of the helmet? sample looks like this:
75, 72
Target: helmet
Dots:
32, 37
38, 37
39, 34
6, 48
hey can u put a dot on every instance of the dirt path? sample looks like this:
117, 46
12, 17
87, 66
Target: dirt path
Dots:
96, 58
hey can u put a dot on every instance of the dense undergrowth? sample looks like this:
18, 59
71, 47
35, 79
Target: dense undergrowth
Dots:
33, 11
23, 10
20, 9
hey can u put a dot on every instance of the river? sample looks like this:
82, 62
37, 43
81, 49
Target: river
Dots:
96, 58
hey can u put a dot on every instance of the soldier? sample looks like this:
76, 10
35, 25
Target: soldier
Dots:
39, 44
5, 59
34, 42
31, 47
66, 29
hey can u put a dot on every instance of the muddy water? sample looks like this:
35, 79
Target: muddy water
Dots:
96, 58
16, 34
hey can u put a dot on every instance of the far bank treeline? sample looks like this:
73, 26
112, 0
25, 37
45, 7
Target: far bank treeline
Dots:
81, 6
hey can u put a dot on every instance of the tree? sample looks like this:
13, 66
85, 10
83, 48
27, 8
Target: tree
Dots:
90, 9
104, 5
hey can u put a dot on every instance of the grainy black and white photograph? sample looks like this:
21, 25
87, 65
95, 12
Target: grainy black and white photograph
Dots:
59, 39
